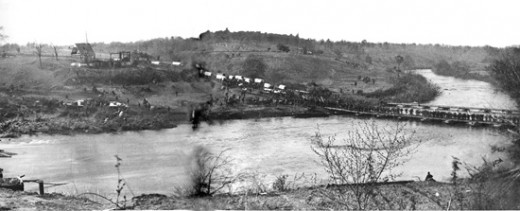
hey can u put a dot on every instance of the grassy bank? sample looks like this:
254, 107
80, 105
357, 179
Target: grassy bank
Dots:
419, 195
411, 196
17, 200
408, 88
462, 70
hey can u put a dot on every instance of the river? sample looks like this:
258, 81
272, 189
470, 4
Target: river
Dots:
154, 161
468, 93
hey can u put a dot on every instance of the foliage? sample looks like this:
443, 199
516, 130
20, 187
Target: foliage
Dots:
408, 88
276, 76
408, 62
282, 47
2, 35
38, 52
506, 70
399, 59
489, 186
445, 68
209, 173
365, 157
120, 185
280, 184
368, 59
254, 67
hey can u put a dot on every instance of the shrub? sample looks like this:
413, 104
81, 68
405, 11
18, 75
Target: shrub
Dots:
280, 184
254, 67
365, 157
208, 172
283, 48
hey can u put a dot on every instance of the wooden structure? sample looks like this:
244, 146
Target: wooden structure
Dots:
85, 52
129, 58
442, 114
11, 183
17, 184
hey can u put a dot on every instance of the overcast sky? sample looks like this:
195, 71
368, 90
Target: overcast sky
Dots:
453, 22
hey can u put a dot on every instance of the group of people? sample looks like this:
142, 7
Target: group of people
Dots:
449, 114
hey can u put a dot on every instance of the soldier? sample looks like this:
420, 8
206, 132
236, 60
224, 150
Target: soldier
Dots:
429, 177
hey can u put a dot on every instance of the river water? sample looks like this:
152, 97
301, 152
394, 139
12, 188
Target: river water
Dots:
467, 93
154, 161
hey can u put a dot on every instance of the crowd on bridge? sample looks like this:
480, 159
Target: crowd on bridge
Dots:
461, 114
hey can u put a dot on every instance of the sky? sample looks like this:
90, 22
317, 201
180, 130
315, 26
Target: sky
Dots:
450, 22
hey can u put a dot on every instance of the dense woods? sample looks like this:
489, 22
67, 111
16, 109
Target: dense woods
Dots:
506, 69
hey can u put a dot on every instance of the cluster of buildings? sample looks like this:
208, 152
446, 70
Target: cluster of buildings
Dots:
116, 59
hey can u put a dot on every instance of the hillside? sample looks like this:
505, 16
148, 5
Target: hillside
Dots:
285, 53
291, 59
359, 74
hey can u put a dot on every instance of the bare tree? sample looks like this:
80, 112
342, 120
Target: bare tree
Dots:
209, 173
2, 36
55, 52
38, 52
365, 157
506, 69
399, 59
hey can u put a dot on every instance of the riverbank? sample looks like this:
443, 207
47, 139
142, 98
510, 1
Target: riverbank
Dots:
20, 200
414, 195
57, 99
408, 88
30, 113
462, 70
155, 120
102, 121
252, 112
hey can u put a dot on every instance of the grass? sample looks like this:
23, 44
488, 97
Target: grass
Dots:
418, 195
296, 68
408, 88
